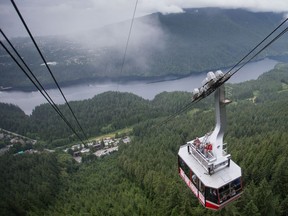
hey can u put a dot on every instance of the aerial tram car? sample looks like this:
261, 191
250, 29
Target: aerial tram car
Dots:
203, 163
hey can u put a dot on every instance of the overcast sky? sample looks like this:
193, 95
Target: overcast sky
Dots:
51, 17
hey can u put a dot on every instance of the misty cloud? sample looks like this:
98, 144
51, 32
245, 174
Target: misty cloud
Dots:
55, 17
146, 36
163, 7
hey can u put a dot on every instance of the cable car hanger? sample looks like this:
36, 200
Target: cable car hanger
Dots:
204, 163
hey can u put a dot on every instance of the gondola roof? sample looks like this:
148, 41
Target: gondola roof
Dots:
217, 179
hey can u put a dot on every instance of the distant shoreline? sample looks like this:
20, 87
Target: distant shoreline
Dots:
127, 79
119, 80
88, 81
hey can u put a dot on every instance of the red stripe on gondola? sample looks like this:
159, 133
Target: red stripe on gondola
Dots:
211, 206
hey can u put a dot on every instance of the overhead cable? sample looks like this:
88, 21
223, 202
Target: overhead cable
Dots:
239, 62
47, 66
24, 63
272, 41
129, 35
50, 101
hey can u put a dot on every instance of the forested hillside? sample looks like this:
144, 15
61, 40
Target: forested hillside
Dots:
29, 182
142, 178
102, 114
160, 45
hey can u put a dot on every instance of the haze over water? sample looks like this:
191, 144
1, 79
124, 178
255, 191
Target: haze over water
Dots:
27, 101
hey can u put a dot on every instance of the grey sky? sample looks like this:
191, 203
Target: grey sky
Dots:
50, 17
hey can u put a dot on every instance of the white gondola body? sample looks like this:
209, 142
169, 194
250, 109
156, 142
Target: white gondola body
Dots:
205, 165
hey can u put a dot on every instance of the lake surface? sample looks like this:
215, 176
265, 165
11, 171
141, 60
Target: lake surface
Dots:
27, 101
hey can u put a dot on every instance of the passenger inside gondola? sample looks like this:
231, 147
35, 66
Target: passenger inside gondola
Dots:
197, 143
195, 180
208, 150
211, 195
228, 191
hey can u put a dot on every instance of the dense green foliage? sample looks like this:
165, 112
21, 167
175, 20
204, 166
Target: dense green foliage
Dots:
13, 118
28, 182
160, 45
142, 178
102, 114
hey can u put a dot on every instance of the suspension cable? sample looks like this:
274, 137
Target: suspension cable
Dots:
128, 39
52, 104
40, 53
272, 41
239, 62
31, 73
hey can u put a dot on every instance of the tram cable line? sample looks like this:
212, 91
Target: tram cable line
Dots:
228, 74
239, 62
47, 97
45, 62
24, 63
178, 112
128, 39
272, 41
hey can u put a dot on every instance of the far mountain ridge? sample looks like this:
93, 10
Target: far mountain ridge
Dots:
197, 40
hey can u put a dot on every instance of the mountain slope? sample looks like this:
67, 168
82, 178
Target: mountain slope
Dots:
201, 39
160, 45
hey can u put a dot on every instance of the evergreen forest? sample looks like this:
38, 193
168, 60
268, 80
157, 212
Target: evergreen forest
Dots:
142, 177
